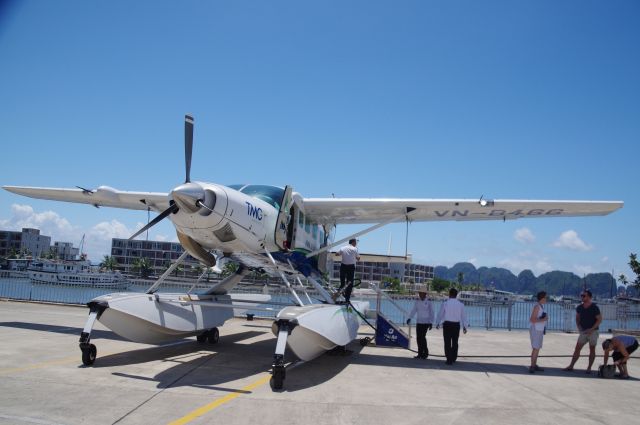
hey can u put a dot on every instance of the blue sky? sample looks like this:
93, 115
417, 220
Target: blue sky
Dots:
523, 100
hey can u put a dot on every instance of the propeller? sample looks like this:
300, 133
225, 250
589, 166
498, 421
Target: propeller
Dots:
172, 209
188, 146
186, 193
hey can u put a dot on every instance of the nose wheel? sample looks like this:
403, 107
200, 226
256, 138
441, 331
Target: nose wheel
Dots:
278, 376
89, 353
278, 371
212, 336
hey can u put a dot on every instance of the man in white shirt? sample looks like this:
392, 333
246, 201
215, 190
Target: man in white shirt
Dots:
349, 255
424, 309
450, 316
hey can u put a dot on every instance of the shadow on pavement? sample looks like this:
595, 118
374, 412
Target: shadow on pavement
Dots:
70, 330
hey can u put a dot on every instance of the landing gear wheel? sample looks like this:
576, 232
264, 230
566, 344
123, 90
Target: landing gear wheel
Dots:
89, 355
213, 336
365, 341
278, 377
201, 338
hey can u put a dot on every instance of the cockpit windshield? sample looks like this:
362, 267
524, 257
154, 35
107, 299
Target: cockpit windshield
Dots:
270, 194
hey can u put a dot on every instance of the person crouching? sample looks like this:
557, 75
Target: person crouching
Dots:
622, 347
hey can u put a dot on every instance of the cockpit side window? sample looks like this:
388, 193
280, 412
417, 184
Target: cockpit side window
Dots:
269, 194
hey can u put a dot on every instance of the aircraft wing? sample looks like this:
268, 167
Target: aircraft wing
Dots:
362, 210
104, 196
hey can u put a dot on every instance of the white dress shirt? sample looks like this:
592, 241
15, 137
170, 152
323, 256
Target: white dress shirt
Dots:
452, 310
349, 254
424, 310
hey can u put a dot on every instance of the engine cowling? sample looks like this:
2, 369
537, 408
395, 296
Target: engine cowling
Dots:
196, 250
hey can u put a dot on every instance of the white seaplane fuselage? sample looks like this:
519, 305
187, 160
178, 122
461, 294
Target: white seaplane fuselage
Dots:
235, 222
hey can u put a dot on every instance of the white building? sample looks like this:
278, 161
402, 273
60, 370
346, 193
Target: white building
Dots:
65, 251
29, 242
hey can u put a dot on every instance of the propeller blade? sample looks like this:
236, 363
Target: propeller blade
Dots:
159, 218
188, 145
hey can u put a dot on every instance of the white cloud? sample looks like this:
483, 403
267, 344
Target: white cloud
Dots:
524, 235
582, 269
107, 230
473, 261
571, 240
604, 260
49, 223
526, 260
97, 239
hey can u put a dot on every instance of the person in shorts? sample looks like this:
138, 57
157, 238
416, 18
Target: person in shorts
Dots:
622, 347
538, 322
588, 320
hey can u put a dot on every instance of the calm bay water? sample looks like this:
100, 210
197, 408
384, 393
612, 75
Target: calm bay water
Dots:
514, 316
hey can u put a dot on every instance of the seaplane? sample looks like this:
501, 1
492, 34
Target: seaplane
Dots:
273, 230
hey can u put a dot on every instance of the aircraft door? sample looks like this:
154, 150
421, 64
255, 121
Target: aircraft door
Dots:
284, 218
323, 257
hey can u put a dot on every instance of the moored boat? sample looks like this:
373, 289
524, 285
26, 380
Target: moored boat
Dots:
73, 273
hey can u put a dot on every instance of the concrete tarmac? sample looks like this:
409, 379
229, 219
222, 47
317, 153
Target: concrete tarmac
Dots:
43, 381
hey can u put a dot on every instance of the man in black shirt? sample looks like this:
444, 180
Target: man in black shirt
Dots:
588, 320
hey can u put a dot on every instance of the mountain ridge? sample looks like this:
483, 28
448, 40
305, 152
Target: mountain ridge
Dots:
555, 282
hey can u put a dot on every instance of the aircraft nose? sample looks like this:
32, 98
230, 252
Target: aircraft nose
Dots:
187, 196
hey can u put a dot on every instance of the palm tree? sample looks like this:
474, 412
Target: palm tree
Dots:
229, 269
109, 263
623, 280
179, 268
143, 266
635, 267
198, 269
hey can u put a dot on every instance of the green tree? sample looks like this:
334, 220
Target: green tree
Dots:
440, 285
391, 283
197, 269
460, 279
635, 267
142, 266
51, 254
109, 263
229, 269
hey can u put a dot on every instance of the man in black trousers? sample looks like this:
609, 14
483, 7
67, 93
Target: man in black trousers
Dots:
451, 316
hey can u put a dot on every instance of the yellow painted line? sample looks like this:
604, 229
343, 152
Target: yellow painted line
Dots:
40, 365
219, 402
74, 359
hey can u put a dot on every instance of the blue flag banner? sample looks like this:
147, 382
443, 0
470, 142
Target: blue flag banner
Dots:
387, 334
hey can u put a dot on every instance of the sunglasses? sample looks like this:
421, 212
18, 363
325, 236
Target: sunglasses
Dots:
583, 295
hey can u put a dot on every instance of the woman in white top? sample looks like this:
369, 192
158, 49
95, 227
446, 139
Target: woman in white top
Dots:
538, 321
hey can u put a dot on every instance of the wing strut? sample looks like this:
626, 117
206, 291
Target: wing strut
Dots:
170, 270
284, 278
406, 215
